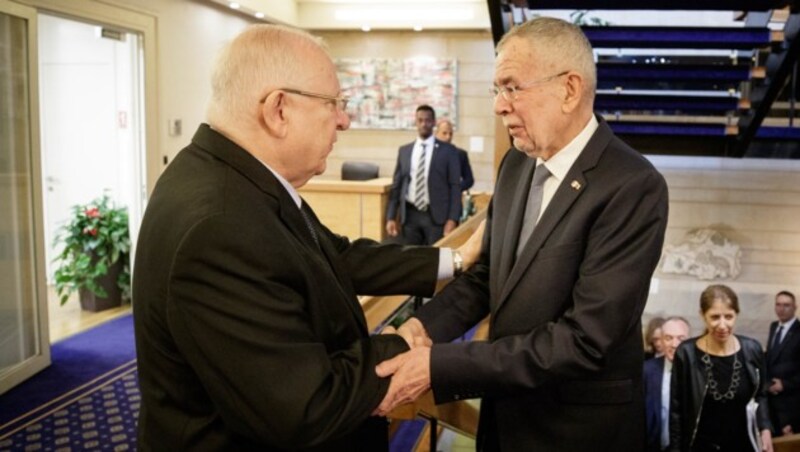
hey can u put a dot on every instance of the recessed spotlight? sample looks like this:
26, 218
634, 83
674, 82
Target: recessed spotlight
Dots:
365, 28
417, 27
234, 5
259, 15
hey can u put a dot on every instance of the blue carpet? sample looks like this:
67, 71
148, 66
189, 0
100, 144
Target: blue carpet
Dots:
87, 369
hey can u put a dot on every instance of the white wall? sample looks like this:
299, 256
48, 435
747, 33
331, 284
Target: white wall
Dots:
190, 32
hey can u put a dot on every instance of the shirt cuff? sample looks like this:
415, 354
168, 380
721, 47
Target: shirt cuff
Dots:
446, 269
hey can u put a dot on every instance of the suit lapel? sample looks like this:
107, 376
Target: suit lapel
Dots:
514, 221
330, 256
568, 191
556, 210
255, 171
774, 352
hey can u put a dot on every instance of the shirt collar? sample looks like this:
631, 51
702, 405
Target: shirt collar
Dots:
667, 365
427, 141
788, 324
289, 188
560, 163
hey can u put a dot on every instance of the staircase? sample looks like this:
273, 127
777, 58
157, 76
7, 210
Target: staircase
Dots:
671, 87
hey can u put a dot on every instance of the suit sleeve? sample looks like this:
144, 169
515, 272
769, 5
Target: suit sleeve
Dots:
387, 269
762, 414
454, 185
395, 197
467, 179
240, 313
678, 393
623, 245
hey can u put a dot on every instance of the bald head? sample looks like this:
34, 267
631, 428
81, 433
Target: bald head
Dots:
444, 130
261, 57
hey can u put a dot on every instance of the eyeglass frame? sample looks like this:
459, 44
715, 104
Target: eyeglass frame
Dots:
336, 99
510, 93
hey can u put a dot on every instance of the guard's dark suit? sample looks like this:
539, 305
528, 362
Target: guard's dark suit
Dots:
784, 362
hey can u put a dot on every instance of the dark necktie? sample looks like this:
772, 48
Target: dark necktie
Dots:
533, 206
420, 184
309, 225
776, 341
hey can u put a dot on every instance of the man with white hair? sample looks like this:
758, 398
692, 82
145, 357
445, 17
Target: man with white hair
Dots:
573, 234
657, 377
248, 331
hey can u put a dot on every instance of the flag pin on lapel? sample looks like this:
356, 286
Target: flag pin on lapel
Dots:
576, 185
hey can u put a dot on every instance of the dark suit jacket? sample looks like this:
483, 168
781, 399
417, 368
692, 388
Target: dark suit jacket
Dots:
444, 184
653, 378
467, 180
562, 369
249, 336
784, 362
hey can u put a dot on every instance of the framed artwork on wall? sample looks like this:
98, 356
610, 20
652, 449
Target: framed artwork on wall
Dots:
384, 93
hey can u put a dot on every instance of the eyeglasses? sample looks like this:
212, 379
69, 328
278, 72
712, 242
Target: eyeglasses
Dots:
511, 93
340, 102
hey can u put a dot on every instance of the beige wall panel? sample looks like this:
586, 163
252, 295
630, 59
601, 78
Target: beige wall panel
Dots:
750, 217
475, 117
735, 196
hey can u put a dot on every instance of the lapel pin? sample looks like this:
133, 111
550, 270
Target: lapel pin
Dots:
576, 185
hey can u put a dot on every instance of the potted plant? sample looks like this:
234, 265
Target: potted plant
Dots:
95, 260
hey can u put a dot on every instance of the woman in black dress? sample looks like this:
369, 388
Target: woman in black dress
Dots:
716, 379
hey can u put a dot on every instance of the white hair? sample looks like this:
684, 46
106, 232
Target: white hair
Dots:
558, 40
262, 55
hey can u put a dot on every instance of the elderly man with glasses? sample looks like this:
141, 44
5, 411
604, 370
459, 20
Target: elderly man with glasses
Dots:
573, 234
248, 330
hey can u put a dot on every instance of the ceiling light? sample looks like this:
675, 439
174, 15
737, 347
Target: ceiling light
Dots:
259, 15
234, 5
365, 28
417, 27
402, 14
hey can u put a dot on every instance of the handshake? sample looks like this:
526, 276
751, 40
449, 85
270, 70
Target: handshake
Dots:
410, 371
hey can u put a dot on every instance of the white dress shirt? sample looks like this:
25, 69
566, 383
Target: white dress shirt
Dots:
560, 163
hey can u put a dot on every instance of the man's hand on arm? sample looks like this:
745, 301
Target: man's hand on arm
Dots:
412, 332
411, 377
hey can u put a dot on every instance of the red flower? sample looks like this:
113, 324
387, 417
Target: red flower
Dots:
92, 212
90, 231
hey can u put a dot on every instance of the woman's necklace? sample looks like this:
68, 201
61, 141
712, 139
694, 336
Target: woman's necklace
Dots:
713, 385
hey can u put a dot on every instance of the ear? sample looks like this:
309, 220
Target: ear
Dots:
573, 92
274, 114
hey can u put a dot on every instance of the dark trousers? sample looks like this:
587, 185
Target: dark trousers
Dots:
419, 228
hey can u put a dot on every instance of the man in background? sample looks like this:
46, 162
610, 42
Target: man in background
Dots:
425, 198
783, 366
657, 376
249, 334
573, 234
444, 132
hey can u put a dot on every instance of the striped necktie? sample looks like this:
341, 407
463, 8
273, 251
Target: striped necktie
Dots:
420, 182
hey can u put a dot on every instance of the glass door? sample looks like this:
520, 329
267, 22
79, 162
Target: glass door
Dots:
24, 342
